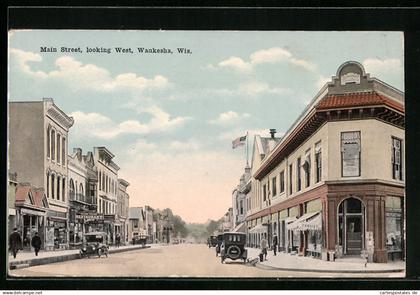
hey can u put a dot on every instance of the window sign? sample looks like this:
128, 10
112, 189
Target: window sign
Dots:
350, 153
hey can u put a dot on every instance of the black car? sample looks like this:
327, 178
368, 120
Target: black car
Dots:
233, 247
219, 243
212, 241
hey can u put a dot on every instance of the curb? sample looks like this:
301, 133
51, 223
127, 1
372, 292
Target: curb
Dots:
62, 258
268, 267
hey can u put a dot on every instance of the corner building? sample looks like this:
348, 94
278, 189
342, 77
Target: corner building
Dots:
335, 181
38, 136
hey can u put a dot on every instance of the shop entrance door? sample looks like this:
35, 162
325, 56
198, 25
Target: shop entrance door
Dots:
354, 235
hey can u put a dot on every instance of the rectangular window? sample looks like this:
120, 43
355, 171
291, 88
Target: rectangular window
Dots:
274, 186
48, 142
318, 162
53, 144
242, 207
290, 179
264, 192
298, 175
394, 224
350, 153
397, 159
58, 148
63, 152
307, 168
282, 181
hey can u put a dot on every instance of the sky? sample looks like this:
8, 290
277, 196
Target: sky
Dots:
170, 119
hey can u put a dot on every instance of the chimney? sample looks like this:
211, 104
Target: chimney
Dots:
272, 132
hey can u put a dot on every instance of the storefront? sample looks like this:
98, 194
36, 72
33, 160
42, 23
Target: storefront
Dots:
56, 230
31, 221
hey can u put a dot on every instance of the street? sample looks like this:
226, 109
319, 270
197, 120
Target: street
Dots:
183, 260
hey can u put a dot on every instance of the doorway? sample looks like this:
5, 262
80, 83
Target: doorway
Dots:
351, 224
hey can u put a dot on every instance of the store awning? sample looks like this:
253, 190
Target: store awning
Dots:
240, 228
258, 229
308, 221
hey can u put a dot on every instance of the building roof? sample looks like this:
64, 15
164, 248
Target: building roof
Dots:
135, 213
357, 99
27, 194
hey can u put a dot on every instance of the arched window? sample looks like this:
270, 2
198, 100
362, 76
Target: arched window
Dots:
48, 142
81, 191
71, 190
53, 144
58, 187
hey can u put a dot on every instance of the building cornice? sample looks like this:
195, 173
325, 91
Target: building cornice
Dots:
57, 115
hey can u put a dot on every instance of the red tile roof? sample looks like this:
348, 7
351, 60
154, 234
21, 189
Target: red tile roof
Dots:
358, 99
22, 191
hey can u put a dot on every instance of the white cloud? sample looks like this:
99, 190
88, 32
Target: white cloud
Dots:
87, 76
229, 117
264, 56
322, 80
251, 89
97, 125
381, 67
235, 63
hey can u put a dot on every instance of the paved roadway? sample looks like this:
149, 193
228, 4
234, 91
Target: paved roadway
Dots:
185, 260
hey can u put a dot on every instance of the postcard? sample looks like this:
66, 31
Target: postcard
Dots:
239, 154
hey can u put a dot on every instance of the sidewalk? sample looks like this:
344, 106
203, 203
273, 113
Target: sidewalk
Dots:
26, 259
288, 262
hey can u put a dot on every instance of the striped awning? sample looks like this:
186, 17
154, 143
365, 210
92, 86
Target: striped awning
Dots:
308, 221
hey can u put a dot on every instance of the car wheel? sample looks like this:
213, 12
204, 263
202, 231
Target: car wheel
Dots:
233, 252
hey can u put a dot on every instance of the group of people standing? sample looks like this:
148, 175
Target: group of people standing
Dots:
15, 242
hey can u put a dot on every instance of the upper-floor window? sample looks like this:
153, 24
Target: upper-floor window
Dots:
48, 142
298, 174
63, 152
53, 144
282, 181
264, 192
274, 186
350, 153
242, 207
307, 168
58, 148
290, 179
318, 162
52, 186
396, 159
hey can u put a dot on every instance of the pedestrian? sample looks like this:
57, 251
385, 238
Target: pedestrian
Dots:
264, 245
275, 245
15, 242
118, 240
36, 243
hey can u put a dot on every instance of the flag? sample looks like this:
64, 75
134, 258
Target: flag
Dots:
238, 142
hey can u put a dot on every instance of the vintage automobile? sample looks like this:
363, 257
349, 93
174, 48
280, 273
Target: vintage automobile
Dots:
219, 243
95, 243
212, 241
139, 240
233, 246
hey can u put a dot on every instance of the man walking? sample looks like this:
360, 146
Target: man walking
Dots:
264, 246
275, 245
36, 243
15, 242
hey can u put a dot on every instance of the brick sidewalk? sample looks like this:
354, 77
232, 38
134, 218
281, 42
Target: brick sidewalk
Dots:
285, 261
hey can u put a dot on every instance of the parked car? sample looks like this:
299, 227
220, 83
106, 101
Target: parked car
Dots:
95, 243
233, 246
219, 243
212, 241
139, 240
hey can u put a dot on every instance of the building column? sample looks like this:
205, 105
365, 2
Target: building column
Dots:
330, 222
375, 223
